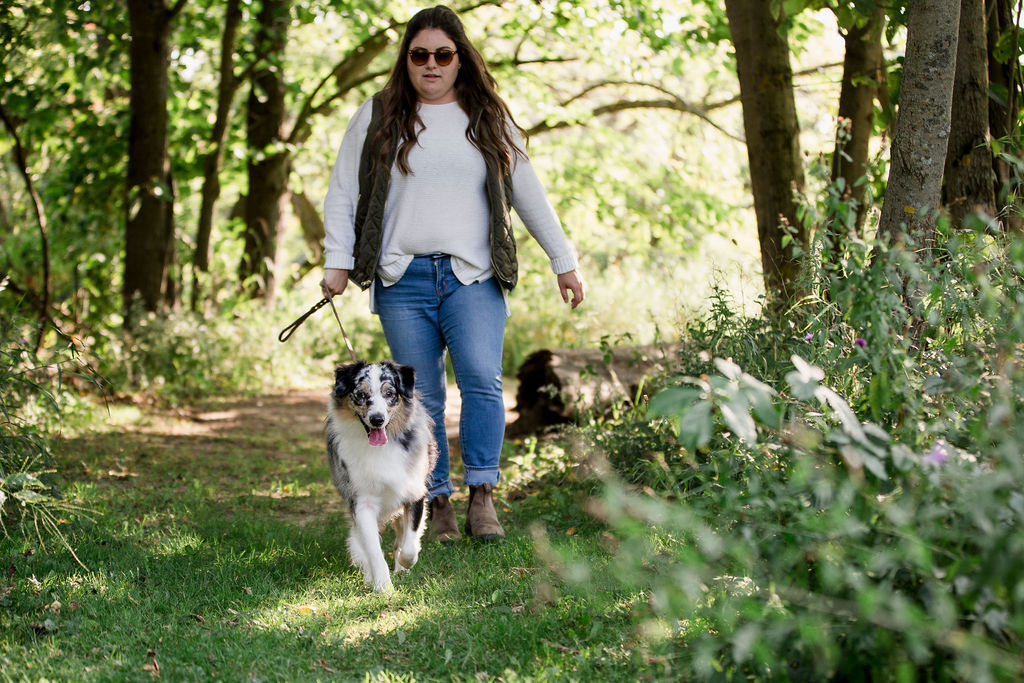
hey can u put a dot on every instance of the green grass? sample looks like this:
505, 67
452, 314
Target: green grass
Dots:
218, 551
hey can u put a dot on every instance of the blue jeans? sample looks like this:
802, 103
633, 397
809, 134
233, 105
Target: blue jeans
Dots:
429, 313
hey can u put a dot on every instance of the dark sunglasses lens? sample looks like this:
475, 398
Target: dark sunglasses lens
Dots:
444, 57
419, 56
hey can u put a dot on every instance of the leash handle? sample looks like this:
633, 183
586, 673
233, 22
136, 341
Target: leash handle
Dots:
288, 331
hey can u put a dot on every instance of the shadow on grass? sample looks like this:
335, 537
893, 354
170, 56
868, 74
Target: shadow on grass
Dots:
224, 557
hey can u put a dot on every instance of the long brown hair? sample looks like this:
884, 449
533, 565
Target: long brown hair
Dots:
475, 87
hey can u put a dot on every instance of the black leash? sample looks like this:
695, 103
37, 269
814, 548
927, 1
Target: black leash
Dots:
287, 332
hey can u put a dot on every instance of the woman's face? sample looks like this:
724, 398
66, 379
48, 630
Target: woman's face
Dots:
434, 84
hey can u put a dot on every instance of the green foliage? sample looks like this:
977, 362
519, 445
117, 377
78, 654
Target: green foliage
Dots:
184, 357
31, 392
856, 511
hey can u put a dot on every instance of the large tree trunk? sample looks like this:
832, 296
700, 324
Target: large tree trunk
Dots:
149, 224
269, 162
229, 83
921, 134
773, 148
969, 188
863, 73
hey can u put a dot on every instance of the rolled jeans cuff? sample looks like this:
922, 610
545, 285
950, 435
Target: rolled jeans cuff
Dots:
476, 476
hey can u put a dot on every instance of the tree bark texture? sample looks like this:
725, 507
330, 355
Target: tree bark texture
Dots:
918, 152
149, 225
970, 186
863, 73
229, 83
773, 147
269, 161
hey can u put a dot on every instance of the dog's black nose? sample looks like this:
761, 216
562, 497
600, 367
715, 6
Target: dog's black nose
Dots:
376, 420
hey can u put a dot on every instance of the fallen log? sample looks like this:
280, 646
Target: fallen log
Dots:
557, 385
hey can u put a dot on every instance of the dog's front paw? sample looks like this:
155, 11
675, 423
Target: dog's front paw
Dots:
405, 561
384, 586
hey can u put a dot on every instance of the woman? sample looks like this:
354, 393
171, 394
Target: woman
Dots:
417, 210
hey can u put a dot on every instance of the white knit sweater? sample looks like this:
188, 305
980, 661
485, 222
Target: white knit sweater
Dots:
440, 207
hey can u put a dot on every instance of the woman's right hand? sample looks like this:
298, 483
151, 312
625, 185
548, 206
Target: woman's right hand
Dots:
335, 281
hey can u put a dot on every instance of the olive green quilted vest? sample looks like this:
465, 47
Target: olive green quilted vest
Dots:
374, 180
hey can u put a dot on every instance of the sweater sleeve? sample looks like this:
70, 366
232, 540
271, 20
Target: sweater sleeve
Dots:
343, 194
532, 206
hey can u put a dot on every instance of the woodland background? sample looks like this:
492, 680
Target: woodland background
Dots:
814, 203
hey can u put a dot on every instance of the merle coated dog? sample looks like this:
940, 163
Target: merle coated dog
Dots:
381, 449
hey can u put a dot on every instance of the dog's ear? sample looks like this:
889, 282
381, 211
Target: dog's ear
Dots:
406, 376
345, 378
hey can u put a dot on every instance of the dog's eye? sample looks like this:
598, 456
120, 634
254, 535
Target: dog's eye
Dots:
389, 393
360, 397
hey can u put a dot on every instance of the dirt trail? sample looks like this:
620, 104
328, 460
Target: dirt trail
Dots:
299, 411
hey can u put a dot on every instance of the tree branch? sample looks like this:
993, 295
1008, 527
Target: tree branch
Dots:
672, 102
173, 12
22, 163
347, 73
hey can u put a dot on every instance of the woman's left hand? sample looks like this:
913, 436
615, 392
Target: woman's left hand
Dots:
571, 282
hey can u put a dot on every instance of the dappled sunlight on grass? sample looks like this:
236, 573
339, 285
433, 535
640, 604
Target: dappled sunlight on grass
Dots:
219, 551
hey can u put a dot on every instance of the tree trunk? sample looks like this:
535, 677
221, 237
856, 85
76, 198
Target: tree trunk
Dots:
269, 162
921, 133
969, 188
773, 147
149, 224
229, 83
863, 72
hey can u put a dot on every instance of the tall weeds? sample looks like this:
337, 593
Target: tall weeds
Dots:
837, 494
31, 505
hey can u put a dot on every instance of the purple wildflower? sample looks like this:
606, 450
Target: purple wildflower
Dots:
938, 455
809, 336
860, 342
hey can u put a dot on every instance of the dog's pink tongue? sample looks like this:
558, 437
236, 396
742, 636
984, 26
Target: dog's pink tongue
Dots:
378, 437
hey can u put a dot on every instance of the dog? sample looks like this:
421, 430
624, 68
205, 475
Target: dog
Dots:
381, 449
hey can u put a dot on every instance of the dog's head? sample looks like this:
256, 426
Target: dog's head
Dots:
375, 392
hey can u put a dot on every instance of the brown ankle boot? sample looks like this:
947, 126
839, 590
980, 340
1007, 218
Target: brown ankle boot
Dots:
443, 525
481, 519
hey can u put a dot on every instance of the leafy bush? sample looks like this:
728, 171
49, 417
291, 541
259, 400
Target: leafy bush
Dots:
866, 524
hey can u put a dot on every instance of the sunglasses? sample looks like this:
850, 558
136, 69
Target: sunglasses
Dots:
443, 57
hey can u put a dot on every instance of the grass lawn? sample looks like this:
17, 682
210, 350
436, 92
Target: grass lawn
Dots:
217, 550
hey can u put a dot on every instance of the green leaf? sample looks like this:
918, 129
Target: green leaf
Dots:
672, 401
728, 368
695, 426
764, 410
804, 379
760, 396
22, 480
874, 465
737, 415
851, 425
29, 496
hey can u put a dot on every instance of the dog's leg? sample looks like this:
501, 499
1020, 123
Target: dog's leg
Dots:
367, 544
408, 531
